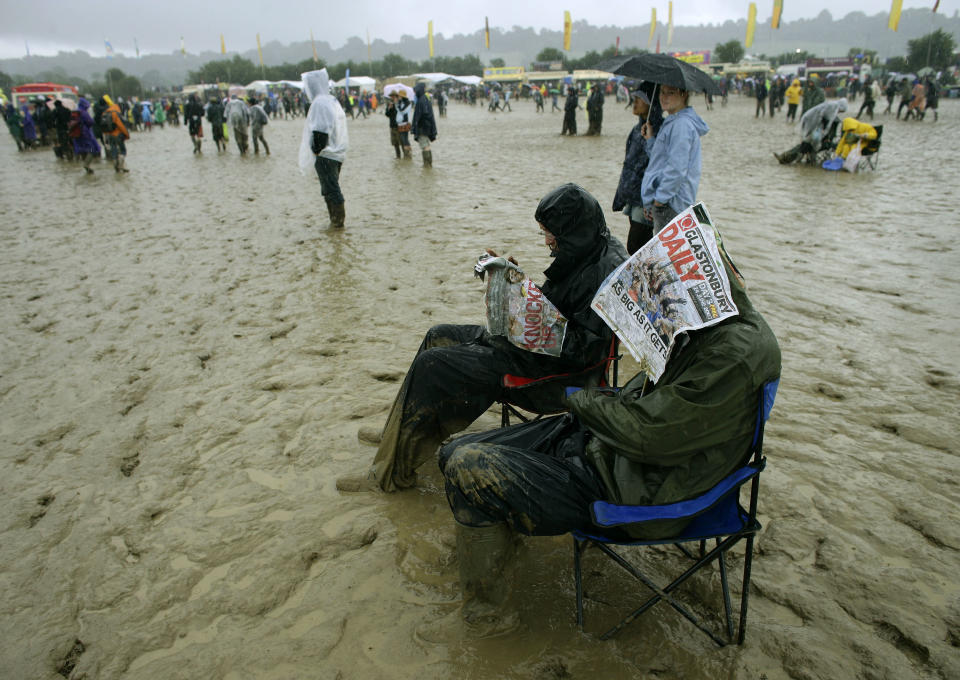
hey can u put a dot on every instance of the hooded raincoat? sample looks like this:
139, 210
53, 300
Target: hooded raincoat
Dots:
458, 371
673, 174
817, 120
325, 115
86, 142
853, 132
424, 124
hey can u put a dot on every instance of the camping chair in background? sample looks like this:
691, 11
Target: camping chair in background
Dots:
870, 152
717, 514
546, 395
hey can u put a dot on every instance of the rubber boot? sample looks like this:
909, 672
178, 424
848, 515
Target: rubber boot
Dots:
485, 555
428, 159
123, 164
266, 149
338, 214
396, 147
406, 152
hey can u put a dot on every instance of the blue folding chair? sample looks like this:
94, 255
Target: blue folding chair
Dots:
717, 514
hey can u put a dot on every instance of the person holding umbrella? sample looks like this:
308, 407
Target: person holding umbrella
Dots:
673, 175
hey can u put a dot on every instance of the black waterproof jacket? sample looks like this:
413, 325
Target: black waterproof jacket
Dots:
586, 254
423, 120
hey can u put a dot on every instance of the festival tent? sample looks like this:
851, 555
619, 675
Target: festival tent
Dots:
432, 77
362, 82
468, 80
262, 85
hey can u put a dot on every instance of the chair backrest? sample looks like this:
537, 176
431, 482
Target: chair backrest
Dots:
873, 145
768, 394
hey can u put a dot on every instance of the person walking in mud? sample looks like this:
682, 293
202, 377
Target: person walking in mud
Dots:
595, 109
193, 115
424, 125
258, 119
115, 134
325, 141
632, 447
216, 119
238, 118
458, 370
391, 113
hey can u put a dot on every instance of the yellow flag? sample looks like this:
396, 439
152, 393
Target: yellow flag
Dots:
895, 10
567, 27
430, 37
259, 51
670, 22
653, 26
223, 45
486, 32
777, 11
315, 60
751, 24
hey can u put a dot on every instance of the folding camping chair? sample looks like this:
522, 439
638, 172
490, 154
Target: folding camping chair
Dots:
870, 152
546, 395
717, 514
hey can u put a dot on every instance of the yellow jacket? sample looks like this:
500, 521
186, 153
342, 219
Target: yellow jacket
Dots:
852, 130
794, 92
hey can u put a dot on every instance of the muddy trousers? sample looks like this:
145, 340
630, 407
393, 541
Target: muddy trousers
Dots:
453, 379
530, 476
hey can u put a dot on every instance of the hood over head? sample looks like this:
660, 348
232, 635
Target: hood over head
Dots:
576, 220
315, 83
83, 104
420, 89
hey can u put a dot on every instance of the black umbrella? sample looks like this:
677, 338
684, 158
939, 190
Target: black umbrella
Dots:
663, 70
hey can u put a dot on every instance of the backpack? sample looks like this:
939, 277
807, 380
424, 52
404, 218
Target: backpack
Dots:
75, 126
107, 123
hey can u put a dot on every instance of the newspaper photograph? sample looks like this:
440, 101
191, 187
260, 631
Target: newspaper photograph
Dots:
675, 283
518, 310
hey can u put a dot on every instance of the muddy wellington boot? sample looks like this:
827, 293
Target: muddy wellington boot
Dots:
485, 555
428, 159
338, 214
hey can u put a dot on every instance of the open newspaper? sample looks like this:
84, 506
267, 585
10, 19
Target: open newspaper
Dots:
518, 310
673, 284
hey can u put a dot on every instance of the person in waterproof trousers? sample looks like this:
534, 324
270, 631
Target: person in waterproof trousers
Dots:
424, 125
628, 197
458, 370
648, 444
595, 109
570, 113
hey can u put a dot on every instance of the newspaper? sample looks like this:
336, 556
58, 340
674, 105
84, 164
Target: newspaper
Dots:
673, 284
518, 310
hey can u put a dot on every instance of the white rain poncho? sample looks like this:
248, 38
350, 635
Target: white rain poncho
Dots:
235, 113
814, 121
325, 115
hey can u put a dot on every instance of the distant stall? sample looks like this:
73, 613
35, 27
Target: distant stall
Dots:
363, 83
24, 93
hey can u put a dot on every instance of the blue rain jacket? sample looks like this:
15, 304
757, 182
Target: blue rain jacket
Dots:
673, 174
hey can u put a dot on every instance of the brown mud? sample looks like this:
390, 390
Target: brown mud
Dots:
188, 353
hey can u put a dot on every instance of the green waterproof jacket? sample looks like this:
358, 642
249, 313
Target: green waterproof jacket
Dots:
691, 429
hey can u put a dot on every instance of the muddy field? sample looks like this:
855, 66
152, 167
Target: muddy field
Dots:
188, 353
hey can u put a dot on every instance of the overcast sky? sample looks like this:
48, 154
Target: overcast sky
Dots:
52, 25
